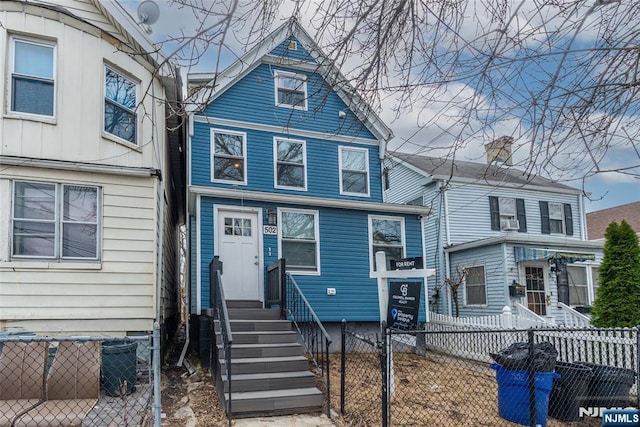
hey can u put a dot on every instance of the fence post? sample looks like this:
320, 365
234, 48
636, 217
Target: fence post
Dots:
532, 380
385, 375
343, 363
507, 317
283, 288
157, 405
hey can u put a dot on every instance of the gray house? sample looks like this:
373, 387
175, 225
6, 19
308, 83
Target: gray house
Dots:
509, 238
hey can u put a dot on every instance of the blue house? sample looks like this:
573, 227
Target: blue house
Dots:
520, 240
284, 161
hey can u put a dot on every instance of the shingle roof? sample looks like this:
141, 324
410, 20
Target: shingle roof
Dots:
598, 221
492, 174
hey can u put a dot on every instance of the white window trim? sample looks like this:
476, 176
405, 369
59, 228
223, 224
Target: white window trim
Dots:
301, 77
212, 148
464, 287
9, 82
58, 221
370, 227
316, 224
105, 134
563, 226
366, 164
275, 163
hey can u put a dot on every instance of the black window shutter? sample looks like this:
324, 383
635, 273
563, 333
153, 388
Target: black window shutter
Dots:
568, 219
522, 216
544, 218
494, 208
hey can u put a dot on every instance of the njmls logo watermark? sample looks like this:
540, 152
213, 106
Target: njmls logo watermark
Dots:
613, 417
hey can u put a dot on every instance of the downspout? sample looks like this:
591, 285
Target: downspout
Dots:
445, 201
583, 218
187, 255
160, 261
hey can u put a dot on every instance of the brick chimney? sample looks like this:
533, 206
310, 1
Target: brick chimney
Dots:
499, 151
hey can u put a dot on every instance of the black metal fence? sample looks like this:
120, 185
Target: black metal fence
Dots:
89, 381
416, 378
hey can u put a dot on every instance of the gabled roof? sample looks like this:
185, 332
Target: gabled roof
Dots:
598, 221
480, 173
217, 84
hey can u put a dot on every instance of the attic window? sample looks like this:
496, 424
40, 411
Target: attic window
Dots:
293, 45
290, 90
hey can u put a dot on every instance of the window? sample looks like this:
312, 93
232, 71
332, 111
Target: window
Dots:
556, 218
386, 234
577, 285
595, 276
507, 214
474, 286
32, 77
228, 150
354, 171
119, 105
299, 240
56, 221
385, 178
290, 158
291, 90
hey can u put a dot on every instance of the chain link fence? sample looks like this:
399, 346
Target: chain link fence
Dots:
453, 376
77, 381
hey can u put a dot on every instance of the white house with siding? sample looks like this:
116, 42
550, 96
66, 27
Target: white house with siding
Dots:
519, 239
90, 179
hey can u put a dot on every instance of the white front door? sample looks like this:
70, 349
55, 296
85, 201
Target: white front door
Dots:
238, 248
536, 294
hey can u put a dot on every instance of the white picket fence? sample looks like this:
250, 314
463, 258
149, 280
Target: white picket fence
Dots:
524, 319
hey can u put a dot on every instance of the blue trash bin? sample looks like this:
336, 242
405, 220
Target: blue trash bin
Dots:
513, 394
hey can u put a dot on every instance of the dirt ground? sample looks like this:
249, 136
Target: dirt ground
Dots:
429, 392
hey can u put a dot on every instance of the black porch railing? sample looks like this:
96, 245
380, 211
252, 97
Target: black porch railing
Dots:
283, 290
221, 314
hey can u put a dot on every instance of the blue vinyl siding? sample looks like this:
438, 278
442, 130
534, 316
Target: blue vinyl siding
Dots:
252, 99
344, 259
300, 54
322, 164
492, 258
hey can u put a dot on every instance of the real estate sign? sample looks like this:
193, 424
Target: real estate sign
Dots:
404, 304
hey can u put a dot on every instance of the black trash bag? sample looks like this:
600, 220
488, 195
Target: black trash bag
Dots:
515, 356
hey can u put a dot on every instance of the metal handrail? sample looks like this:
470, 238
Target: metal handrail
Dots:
313, 313
222, 314
311, 337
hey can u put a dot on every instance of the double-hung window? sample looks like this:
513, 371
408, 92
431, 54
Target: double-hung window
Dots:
474, 286
228, 151
386, 234
120, 95
556, 218
290, 158
32, 77
507, 214
55, 221
290, 90
299, 240
354, 171
577, 276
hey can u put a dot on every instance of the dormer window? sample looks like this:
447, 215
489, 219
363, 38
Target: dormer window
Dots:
507, 214
291, 90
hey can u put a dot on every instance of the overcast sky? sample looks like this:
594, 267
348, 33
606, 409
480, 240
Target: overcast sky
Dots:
607, 190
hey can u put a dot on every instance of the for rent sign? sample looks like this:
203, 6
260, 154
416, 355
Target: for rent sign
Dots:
404, 304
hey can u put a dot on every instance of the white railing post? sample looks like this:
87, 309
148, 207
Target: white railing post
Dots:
507, 317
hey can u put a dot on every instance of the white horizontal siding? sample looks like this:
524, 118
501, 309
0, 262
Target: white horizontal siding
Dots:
469, 215
404, 183
43, 296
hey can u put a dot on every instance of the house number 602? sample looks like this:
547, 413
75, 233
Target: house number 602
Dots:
270, 229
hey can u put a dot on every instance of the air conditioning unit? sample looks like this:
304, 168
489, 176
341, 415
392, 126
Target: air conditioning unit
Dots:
509, 224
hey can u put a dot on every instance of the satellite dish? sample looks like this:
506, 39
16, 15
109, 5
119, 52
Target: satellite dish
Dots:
148, 12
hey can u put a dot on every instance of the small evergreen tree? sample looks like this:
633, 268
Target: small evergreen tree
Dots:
618, 300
